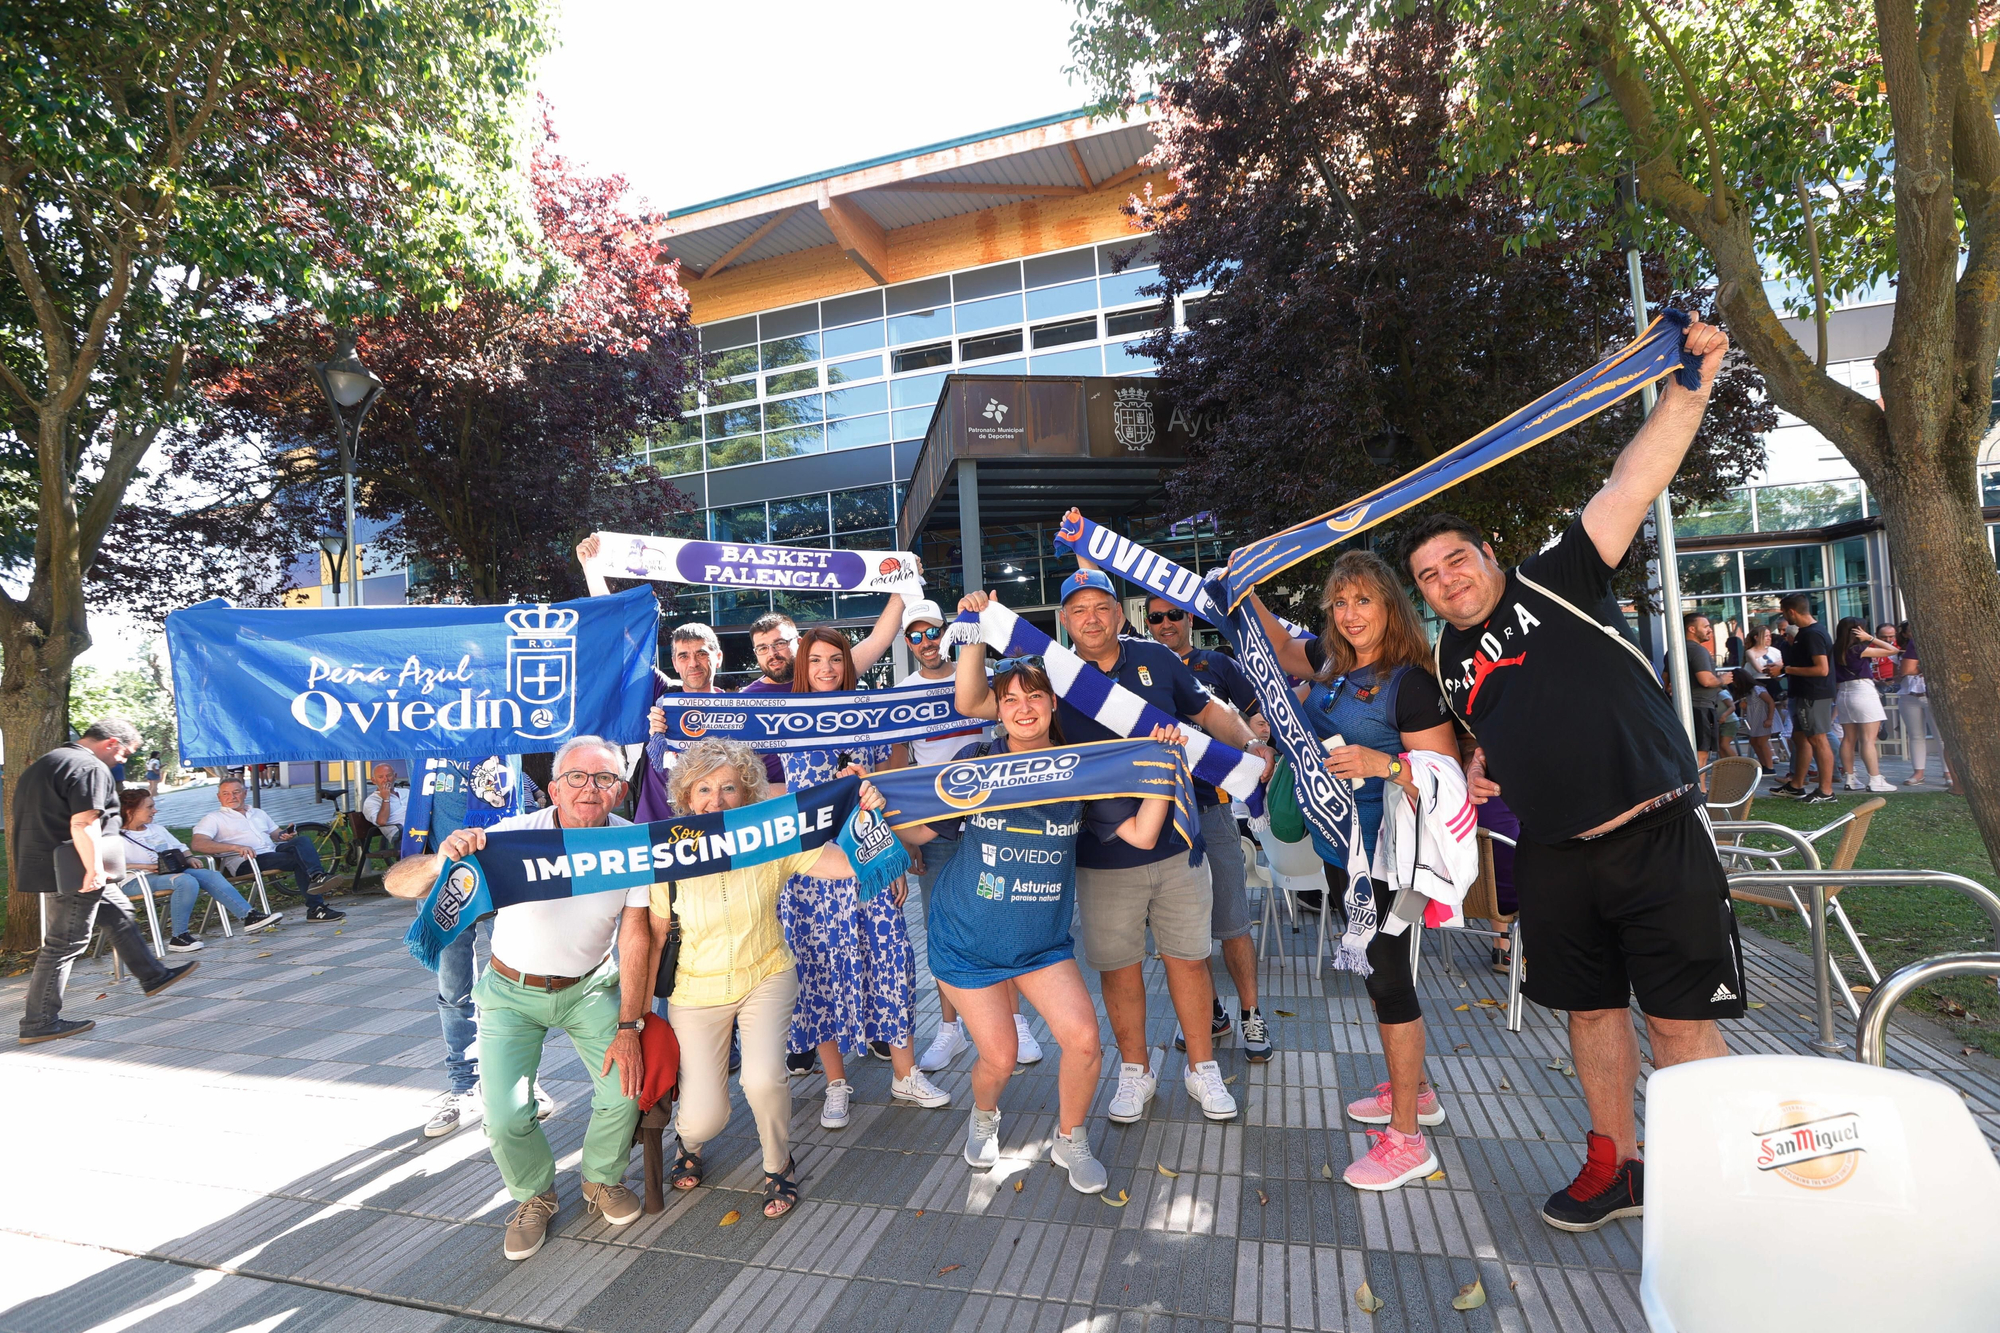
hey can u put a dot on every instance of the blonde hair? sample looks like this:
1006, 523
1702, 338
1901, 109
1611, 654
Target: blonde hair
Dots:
1404, 642
705, 757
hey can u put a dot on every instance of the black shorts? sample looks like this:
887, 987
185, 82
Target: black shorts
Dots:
1705, 728
1642, 910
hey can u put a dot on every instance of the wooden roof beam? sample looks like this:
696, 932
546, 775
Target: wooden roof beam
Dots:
744, 246
1076, 158
856, 233
978, 187
1133, 172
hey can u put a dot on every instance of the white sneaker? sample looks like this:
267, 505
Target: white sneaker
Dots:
1880, 783
460, 1108
916, 1088
1027, 1050
1136, 1086
945, 1047
545, 1105
1204, 1084
838, 1094
1854, 782
1072, 1151
982, 1139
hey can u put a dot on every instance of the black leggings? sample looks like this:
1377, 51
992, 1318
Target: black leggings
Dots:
1392, 988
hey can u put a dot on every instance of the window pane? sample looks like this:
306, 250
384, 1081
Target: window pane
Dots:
858, 402
687, 430
989, 314
1989, 485
791, 381
921, 391
690, 524
740, 606
1125, 359
729, 333
791, 351
979, 283
798, 411
739, 361
1123, 288
1729, 514
1194, 310
1782, 568
1065, 267
1071, 331
736, 421
740, 391
860, 368
1136, 253
864, 508
673, 462
1064, 300
791, 443
923, 358
910, 424
742, 449
1143, 320
1709, 572
927, 294
868, 539
993, 344
799, 517
855, 432
804, 607
1017, 366
863, 605
789, 323
1076, 361
1852, 601
739, 523
919, 326
851, 309
856, 338
1850, 561
1789, 508
690, 605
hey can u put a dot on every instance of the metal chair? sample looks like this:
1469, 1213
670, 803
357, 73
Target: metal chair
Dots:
251, 874
1732, 786
1854, 831
1482, 903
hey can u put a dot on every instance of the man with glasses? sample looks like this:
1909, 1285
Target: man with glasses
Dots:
1229, 920
552, 967
65, 821
923, 630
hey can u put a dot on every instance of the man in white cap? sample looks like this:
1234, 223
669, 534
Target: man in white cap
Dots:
923, 630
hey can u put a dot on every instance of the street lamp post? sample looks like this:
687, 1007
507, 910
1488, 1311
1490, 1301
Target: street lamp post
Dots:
351, 389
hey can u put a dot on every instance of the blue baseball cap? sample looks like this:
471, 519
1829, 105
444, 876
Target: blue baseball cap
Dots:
1088, 578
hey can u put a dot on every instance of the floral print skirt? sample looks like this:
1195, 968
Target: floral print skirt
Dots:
857, 970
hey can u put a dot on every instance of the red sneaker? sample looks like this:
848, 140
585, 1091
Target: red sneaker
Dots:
1604, 1190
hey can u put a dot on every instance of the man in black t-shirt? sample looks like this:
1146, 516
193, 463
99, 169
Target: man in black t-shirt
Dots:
66, 822
1621, 889
1704, 686
1810, 686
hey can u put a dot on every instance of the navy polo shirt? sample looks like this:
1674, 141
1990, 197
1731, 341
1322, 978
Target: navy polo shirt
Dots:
1154, 673
1219, 674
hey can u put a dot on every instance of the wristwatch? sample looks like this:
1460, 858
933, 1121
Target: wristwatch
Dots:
1396, 767
633, 1026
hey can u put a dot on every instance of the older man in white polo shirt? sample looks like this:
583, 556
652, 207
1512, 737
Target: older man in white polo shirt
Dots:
552, 967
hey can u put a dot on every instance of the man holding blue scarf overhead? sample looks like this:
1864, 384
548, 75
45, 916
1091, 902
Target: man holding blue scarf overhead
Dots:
552, 967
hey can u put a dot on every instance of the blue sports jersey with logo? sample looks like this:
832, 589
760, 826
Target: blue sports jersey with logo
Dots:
1002, 905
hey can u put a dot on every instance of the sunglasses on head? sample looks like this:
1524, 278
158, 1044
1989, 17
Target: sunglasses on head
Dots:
1176, 615
931, 635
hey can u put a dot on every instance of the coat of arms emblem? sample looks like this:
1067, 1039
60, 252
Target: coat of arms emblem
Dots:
541, 669
1132, 418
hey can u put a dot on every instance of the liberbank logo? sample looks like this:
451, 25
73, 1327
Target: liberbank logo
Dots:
540, 702
967, 786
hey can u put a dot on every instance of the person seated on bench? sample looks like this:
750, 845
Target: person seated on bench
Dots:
149, 844
382, 810
238, 830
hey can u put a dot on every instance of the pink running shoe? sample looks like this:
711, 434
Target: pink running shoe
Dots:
1375, 1110
1393, 1159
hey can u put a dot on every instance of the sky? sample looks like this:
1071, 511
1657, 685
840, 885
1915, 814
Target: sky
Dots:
691, 102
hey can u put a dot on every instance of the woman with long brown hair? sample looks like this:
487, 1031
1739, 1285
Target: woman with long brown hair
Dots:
857, 968
1371, 687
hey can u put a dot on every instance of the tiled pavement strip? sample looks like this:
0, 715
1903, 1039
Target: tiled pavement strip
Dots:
242, 1153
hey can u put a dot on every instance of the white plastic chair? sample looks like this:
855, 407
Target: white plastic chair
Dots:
1757, 1222
1295, 868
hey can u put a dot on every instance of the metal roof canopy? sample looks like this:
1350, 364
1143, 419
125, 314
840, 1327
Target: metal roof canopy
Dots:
1024, 448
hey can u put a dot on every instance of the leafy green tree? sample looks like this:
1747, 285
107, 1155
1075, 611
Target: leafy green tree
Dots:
1792, 153
160, 161
141, 695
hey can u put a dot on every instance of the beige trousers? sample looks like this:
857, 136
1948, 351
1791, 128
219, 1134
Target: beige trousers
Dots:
764, 1018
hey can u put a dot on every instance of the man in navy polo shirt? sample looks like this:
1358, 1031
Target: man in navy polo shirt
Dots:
1121, 890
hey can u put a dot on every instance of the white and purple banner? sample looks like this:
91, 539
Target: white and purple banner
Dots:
752, 565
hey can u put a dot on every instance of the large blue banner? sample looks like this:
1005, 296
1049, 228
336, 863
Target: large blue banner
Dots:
410, 682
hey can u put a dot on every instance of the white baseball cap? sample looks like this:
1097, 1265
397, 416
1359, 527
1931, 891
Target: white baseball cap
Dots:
923, 610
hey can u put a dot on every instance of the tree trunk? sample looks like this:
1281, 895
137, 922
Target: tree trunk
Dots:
1945, 567
34, 719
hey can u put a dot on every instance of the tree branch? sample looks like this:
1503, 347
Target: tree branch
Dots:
1718, 199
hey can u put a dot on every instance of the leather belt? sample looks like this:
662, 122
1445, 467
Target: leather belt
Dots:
532, 981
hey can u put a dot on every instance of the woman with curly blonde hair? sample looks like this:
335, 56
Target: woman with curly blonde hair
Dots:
735, 971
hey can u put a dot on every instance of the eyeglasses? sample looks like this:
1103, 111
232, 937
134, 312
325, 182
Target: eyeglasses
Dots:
1176, 615
576, 778
931, 635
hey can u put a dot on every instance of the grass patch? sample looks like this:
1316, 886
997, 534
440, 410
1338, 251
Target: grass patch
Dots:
1919, 831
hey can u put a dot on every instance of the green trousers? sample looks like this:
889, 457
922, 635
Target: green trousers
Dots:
514, 1021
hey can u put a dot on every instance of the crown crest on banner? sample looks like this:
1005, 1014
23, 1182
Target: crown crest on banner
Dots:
541, 619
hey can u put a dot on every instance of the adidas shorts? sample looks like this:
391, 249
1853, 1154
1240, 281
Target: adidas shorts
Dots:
1643, 910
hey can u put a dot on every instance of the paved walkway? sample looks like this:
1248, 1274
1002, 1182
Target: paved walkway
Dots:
243, 1153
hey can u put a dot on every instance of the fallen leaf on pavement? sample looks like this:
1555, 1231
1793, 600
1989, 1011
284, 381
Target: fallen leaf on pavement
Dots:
264, 955
1368, 1300
1463, 1046
1488, 1004
1326, 1170
1119, 1202
920, 1212
1458, 1008
1284, 1013
1233, 1077
1505, 1086
1755, 1004
1018, 1184
103, 994
1262, 1199
730, 1218
1470, 1296
1163, 1171
949, 1268
1435, 1175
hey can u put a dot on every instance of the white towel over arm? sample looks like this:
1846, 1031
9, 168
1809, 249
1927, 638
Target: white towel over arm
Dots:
1430, 846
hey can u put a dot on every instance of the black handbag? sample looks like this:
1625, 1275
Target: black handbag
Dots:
670, 954
173, 861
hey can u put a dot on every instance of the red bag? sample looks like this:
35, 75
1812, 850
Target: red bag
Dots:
661, 1051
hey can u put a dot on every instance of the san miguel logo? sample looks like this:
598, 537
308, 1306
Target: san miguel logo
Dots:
541, 668
968, 785
1810, 1147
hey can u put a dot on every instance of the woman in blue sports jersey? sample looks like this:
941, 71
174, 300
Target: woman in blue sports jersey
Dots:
1004, 902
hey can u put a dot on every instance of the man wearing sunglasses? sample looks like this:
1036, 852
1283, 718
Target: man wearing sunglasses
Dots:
552, 967
1229, 921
